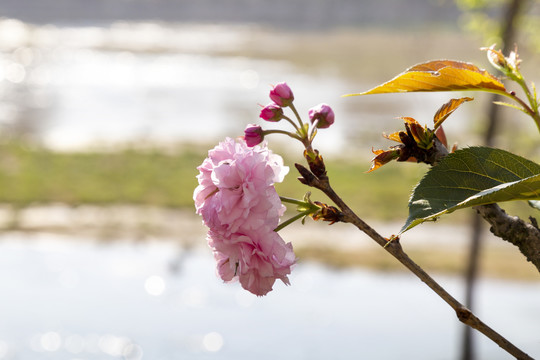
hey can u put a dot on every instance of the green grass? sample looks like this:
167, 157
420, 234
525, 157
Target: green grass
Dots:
30, 175
34, 175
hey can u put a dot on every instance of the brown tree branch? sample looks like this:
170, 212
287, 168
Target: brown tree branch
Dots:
514, 230
394, 248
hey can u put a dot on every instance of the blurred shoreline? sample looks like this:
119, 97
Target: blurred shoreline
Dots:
293, 15
440, 248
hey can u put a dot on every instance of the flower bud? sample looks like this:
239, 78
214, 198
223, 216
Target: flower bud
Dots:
327, 213
253, 135
282, 94
324, 114
496, 58
508, 65
513, 60
316, 163
272, 112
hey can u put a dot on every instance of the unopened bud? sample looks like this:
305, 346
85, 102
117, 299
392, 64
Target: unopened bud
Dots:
272, 112
282, 94
316, 163
307, 178
513, 60
496, 58
324, 114
421, 135
253, 135
327, 213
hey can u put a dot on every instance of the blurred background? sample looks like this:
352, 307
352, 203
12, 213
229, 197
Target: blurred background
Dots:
106, 109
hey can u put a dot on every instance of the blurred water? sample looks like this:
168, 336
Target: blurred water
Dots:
295, 14
75, 87
67, 297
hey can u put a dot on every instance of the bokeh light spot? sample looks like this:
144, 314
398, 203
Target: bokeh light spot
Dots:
50, 341
15, 73
249, 79
74, 344
213, 341
132, 352
154, 285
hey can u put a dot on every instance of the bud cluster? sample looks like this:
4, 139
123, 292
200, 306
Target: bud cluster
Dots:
320, 116
417, 143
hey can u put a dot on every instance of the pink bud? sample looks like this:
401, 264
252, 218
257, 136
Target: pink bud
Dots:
272, 112
253, 134
324, 114
282, 94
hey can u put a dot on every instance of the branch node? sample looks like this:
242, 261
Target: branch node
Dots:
464, 314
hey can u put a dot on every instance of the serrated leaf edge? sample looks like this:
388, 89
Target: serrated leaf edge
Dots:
469, 199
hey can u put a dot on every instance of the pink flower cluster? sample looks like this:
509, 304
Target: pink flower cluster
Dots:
238, 202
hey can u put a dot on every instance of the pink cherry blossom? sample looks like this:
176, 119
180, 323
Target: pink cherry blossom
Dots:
238, 202
257, 259
236, 189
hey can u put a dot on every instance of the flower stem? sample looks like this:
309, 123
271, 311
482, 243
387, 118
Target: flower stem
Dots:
300, 122
292, 201
291, 220
532, 101
275, 131
313, 130
291, 122
305, 207
532, 112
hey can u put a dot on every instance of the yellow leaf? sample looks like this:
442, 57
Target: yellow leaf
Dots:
393, 136
448, 109
382, 157
440, 75
409, 120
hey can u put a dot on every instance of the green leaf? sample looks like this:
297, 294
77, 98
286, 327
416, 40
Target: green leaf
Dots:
440, 75
470, 177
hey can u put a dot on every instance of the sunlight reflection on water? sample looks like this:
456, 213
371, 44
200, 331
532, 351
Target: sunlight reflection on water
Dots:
74, 87
154, 285
158, 312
